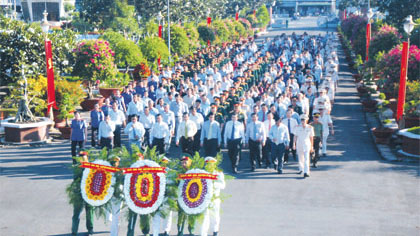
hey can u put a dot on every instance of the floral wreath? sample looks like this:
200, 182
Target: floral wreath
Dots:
194, 195
144, 192
97, 185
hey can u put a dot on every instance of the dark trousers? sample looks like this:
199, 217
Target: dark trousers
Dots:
117, 136
93, 140
266, 150
255, 153
146, 142
196, 142
277, 156
187, 145
287, 151
234, 148
144, 223
77, 210
159, 143
73, 147
210, 147
315, 157
106, 142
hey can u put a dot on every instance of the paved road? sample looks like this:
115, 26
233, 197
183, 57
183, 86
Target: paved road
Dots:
353, 192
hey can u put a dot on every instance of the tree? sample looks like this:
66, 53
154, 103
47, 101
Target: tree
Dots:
398, 10
154, 48
127, 54
98, 12
192, 34
179, 41
206, 33
263, 16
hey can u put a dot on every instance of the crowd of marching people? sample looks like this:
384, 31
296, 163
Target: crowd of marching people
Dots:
274, 99
239, 95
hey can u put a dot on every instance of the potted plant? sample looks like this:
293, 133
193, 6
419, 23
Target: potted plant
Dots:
412, 114
411, 141
110, 85
75, 92
94, 62
67, 108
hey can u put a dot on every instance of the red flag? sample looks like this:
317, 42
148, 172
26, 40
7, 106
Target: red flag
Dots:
345, 14
50, 76
160, 31
158, 61
237, 16
255, 12
208, 43
367, 40
208, 21
403, 77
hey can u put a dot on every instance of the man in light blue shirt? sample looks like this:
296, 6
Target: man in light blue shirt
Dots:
255, 138
233, 137
279, 136
211, 137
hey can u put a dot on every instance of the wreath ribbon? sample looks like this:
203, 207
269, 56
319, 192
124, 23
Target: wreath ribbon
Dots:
144, 170
100, 167
197, 176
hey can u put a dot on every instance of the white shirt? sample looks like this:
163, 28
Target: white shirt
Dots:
169, 119
160, 130
239, 131
106, 130
117, 117
268, 124
303, 136
198, 120
147, 120
191, 129
255, 131
135, 108
279, 134
325, 120
133, 130
293, 124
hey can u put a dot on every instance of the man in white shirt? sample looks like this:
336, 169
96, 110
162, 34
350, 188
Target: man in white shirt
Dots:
291, 124
178, 107
255, 139
266, 149
198, 120
233, 137
135, 132
211, 137
279, 136
135, 107
160, 135
106, 133
147, 119
327, 123
185, 134
118, 117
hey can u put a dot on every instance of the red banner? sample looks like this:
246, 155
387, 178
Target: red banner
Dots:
345, 14
160, 31
99, 167
255, 13
237, 16
197, 176
208, 21
144, 169
208, 43
158, 61
403, 77
367, 40
50, 76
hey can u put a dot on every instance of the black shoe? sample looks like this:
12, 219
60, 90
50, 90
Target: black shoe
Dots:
90, 232
280, 172
324, 154
305, 175
165, 233
235, 170
215, 234
300, 172
253, 169
285, 162
314, 165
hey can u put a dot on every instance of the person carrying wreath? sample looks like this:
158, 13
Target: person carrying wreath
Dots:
182, 216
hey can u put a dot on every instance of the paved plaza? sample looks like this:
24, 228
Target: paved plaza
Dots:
352, 192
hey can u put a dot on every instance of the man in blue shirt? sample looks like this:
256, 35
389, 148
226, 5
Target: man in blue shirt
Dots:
279, 136
127, 95
78, 133
96, 116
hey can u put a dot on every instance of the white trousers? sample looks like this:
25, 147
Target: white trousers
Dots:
114, 216
324, 143
304, 159
167, 223
212, 215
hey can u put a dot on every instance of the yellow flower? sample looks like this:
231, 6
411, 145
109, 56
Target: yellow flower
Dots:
200, 190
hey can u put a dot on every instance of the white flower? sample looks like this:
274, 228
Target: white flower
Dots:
31, 30
161, 196
65, 62
110, 191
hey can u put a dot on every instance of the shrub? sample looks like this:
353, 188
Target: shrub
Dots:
263, 16
221, 31
94, 61
179, 41
385, 39
154, 48
192, 34
239, 28
206, 33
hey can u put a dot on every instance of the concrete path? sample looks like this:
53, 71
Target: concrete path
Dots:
353, 192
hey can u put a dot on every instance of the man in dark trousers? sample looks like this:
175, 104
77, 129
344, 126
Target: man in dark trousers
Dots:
211, 137
234, 136
255, 138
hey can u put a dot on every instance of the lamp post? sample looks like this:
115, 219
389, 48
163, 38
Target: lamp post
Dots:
408, 27
368, 32
159, 18
169, 33
237, 13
